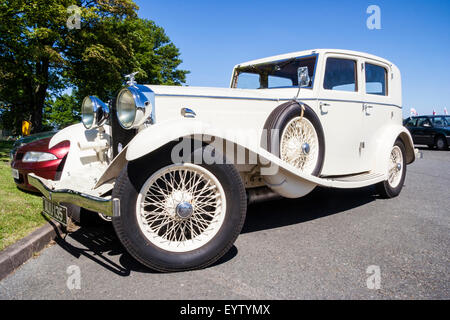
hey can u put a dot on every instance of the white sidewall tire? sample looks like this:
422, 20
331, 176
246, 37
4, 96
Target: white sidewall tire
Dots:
384, 188
127, 189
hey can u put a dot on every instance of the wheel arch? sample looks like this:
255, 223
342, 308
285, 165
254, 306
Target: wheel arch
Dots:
386, 138
406, 138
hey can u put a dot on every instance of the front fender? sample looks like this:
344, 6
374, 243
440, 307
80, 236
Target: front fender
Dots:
272, 168
161, 133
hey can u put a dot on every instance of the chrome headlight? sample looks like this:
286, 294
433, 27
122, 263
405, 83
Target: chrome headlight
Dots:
94, 112
134, 106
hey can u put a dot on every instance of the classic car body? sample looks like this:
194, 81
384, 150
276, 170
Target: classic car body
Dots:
350, 125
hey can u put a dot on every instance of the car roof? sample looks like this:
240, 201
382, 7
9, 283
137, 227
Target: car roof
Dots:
312, 52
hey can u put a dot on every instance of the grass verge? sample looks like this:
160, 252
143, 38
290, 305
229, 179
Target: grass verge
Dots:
20, 212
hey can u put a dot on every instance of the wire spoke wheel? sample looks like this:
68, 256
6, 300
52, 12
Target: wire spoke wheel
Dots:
395, 167
299, 145
181, 207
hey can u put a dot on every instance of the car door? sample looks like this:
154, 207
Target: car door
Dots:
377, 104
424, 132
340, 112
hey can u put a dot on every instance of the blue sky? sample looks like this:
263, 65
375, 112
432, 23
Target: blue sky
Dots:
213, 36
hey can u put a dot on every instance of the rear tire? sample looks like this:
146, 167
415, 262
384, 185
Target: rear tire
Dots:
441, 143
392, 187
163, 237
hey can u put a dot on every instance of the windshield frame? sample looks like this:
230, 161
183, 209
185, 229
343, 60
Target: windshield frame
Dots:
236, 72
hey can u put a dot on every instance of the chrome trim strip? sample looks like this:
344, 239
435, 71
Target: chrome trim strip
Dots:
366, 102
80, 199
274, 99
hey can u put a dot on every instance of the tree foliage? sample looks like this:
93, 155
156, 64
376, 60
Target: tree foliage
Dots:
62, 112
40, 56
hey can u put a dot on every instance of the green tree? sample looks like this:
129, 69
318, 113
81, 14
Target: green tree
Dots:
62, 112
40, 56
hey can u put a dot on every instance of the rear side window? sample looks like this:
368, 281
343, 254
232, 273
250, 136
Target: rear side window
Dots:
340, 74
440, 122
376, 79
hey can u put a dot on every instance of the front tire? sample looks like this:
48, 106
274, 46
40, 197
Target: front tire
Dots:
177, 217
392, 187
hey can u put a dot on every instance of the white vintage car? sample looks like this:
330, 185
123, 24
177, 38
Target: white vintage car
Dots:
175, 167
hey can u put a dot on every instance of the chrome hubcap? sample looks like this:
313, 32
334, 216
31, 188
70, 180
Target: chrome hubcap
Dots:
395, 167
306, 148
184, 210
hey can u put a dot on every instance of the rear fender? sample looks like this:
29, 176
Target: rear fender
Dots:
385, 140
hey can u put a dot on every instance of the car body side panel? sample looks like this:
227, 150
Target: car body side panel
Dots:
273, 169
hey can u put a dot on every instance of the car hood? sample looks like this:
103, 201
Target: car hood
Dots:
231, 93
60, 150
34, 137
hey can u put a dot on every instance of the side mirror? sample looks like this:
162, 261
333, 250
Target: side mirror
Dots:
303, 77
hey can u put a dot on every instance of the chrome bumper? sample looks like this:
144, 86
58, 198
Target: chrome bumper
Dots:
109, 207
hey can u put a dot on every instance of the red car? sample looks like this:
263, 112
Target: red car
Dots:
35, 157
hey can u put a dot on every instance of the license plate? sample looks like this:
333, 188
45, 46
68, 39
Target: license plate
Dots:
55, 211
15, 174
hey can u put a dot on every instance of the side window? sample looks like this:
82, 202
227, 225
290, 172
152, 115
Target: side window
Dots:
376, 79
411, 122
439, 122
248, 81
424, 122
340, 74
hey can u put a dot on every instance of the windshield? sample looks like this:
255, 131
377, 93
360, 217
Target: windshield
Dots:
441, 121
277, 74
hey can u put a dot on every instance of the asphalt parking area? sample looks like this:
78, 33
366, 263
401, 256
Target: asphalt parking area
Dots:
316, 247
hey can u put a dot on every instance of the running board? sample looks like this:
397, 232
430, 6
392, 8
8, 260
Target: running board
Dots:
355, 181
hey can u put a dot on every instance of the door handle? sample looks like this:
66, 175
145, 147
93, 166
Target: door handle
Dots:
188, 113
367, 107
322, 105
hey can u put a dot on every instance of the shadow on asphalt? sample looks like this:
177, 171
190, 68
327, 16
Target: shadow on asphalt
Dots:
320, 203
100, 244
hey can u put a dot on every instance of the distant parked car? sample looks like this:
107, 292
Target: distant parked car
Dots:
433, 131
35, 157
23, 141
